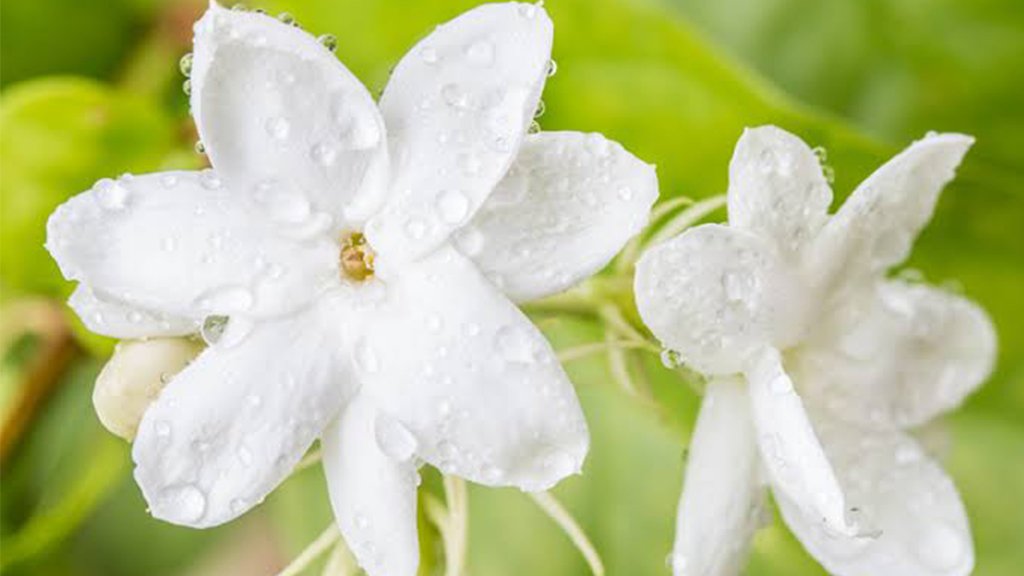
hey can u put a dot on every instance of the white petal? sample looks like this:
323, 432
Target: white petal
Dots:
913, 516
793, 457
566, 207
457, 107
907, 354
373, 495
232, 425
180, 244
279, 115
717, 296
776, 188
876, 226
109, 317
720, 507
133, 378
463, 371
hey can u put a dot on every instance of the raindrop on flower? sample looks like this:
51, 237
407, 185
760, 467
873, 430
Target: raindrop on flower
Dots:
185, 64
515, 345
415, 228
455, 96
453, 206
394, 439
186, 500
278, 128
111, 195
552, 68
329, 41
213, 328
480, 53
324, 154
186, 87
428, 55
286, 18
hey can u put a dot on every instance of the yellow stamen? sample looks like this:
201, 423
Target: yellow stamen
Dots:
356, 257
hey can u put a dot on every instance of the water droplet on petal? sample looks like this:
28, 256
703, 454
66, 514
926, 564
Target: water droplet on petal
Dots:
453, 206
428, 55
245, 456
480, 53
626, 193
210, 180
455, 96
415, 228
186, 501
162, 429
185, 64
781, 385
324, 154
528, 11
278, 128
169, 180
329, 41
213, 328
514, 344
394, 439
552, 68
111, 195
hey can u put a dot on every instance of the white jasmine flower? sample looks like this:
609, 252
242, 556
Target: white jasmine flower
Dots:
818, 363
355, 268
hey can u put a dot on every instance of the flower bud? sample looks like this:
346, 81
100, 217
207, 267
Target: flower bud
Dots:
134, 376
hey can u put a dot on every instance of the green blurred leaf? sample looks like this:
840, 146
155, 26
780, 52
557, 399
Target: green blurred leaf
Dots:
42, 37
59, 136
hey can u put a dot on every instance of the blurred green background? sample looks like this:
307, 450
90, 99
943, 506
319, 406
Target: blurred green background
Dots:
91, 89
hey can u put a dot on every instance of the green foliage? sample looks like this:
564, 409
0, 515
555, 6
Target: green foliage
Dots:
861, 78
59, 136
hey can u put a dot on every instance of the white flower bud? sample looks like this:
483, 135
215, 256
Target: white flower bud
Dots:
134, 376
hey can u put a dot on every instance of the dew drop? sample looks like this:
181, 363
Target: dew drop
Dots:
541, 108
286, 18
209, 180
669, 359
329, 41
528, 11
428, 55
162, 429
552, 68
514, 345
415, 228
111, 195
278, 128
186, 87
455, 96
453, 206
213, 328
185, 501
480, 53
185, 64
626, 193
324, 154
394, 439
492, 473
169, 180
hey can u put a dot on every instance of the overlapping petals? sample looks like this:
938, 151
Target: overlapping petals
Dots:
424, 360
837, 359
284, 121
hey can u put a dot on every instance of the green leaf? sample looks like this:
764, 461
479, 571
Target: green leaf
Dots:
59, 136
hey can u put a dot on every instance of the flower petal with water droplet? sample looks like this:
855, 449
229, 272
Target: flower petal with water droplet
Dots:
458, 106
271, 102
224, 249
233, 424
561, 213
474, 381
373, 494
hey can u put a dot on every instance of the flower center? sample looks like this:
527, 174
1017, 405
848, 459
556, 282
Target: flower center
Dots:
356, 257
